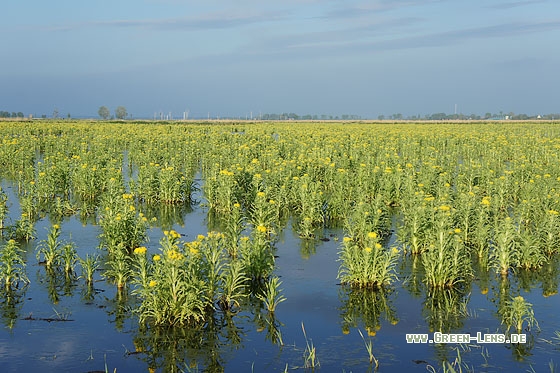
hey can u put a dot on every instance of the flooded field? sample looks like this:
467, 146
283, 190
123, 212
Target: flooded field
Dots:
308, 248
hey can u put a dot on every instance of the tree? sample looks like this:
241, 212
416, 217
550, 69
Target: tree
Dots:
55, 113
120, 112
103, 112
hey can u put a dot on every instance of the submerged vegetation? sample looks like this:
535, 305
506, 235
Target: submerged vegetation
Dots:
438, 208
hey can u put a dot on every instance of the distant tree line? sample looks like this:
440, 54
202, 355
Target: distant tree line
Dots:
13, 114
105, 113
487, 116
294, 116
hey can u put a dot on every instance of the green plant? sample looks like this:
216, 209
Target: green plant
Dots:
504, 252
233, 284
368, 264
89, 265
12, 266
51, 248
69, 258
310, 354
272, 295
518, 312
119, 268
3, 208
369, 348
175, 291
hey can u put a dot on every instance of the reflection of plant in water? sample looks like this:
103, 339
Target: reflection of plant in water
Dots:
166, 216
413, 272
550, 274
120, 308
547, 277
482, 275
366, 306
307, 247
10, 306
445, 309
57, 284
188, 349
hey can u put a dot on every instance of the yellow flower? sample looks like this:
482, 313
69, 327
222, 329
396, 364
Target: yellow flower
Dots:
200, 237
193, 250
368, 250
346, 239
486, 201
236, 205
372, 235
378, 245
260, 194
152, 283
553, 212
140, 250
444, 208
56, 226
261, 229
484, 291
457, 230
394, 251
157, 258
174, 255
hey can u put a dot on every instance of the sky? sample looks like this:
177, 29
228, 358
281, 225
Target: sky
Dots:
224, 58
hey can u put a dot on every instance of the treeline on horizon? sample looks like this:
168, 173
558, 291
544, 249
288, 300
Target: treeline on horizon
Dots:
13, 114
435, 116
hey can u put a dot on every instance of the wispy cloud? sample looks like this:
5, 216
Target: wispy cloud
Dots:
373, 7
218, 20
515, 4
320, 44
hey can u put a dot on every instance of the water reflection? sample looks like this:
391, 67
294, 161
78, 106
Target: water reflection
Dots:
367, 307
10, 306
547, 277
166, 215
193, 348
58, 284
412, 272
445, 310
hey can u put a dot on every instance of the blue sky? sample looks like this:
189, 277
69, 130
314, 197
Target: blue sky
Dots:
305, 56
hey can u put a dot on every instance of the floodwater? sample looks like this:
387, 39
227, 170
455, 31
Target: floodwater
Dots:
57, 326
